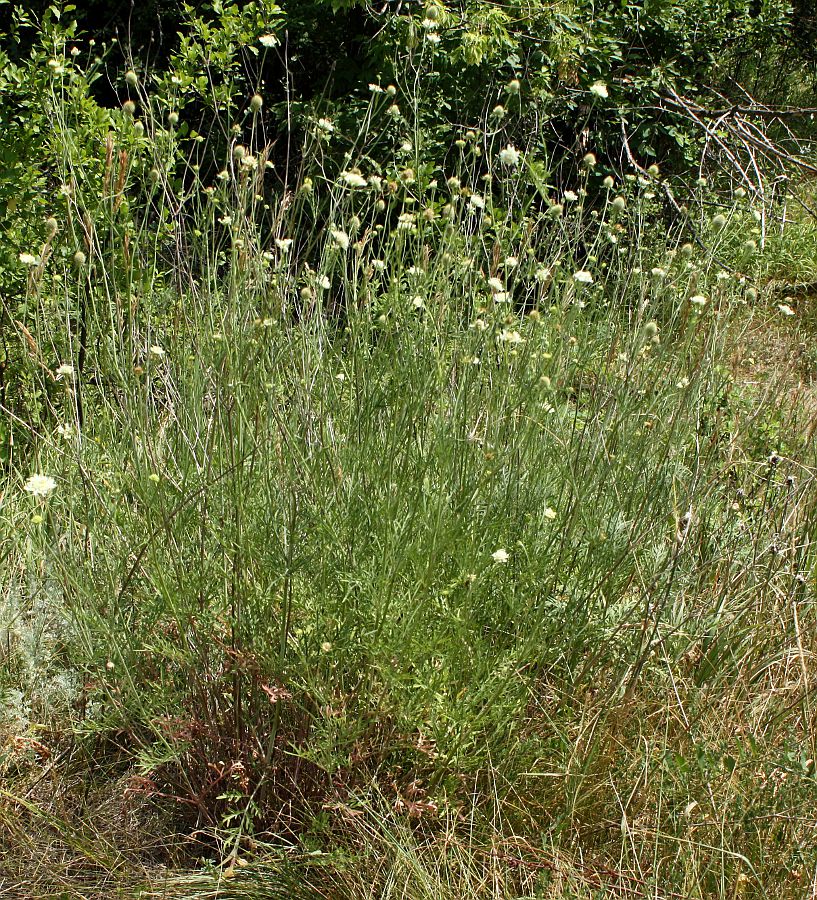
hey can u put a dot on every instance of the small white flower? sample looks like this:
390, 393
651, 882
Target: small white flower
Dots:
506, 336
500, 556
510, 156
40, 485
480, 325
283, 244
542, 275
268, 40
785, 309
549, 513
599, 89
378, 265
583, 277
29, 259
323, 281
157, 351
326, 126
571, 196
355, 180
496, 285
376, 89
340, 238
502, 297
418, 303
698, 300
511, 262
476, 202
65, 370
658, 274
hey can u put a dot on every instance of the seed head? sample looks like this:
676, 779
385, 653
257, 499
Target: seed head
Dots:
131, 78
256, 103
79, 259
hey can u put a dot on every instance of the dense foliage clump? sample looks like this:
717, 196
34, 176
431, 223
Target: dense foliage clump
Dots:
407, 478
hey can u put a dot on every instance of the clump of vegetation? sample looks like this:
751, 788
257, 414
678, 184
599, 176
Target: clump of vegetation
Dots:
400, 498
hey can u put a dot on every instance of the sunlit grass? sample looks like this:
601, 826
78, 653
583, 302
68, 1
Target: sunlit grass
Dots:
406, 517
